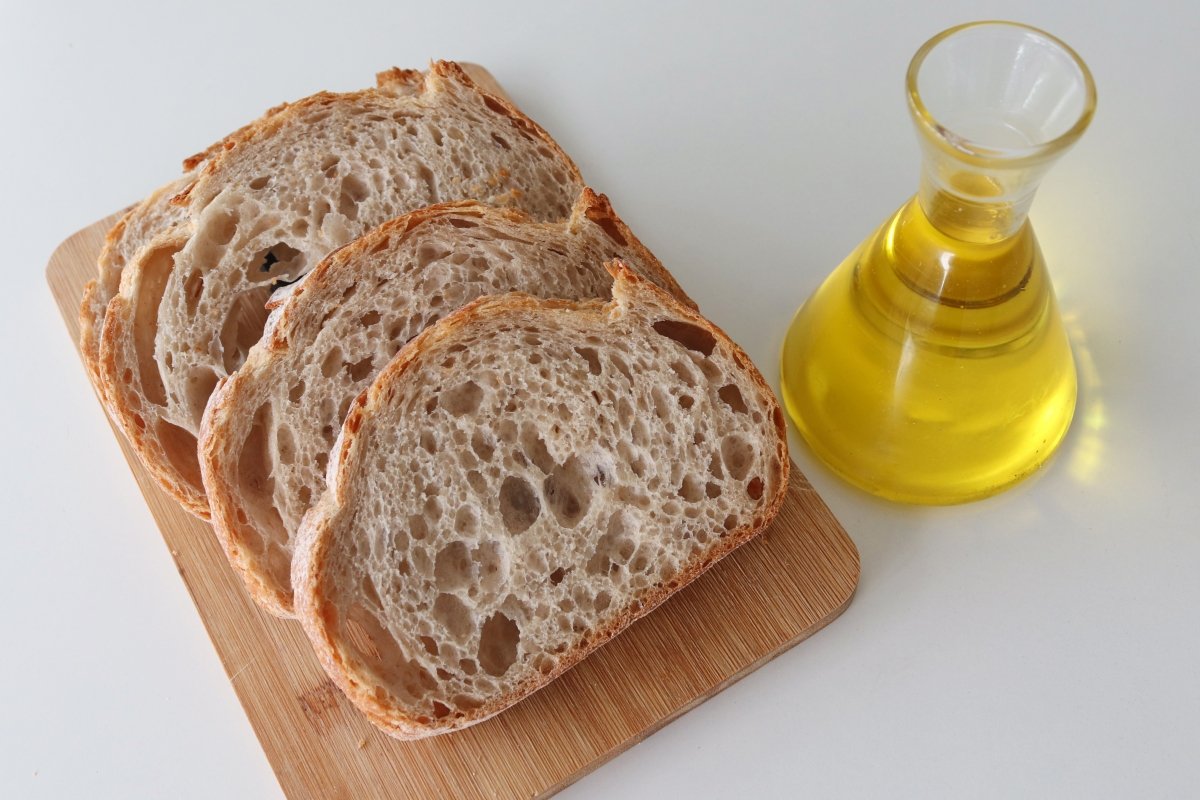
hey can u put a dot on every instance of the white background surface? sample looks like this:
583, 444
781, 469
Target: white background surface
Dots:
1044, 643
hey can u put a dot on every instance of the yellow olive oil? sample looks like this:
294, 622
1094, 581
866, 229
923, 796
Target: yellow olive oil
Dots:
929, 367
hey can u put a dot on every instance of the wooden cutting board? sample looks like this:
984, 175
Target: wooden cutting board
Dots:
767, 596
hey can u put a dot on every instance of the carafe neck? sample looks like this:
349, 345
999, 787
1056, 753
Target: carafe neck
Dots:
976, 200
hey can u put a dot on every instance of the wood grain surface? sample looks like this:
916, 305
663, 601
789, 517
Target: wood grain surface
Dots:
764, 598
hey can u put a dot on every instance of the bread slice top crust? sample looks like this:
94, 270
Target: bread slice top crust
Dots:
277, 197
519, 484
268, 429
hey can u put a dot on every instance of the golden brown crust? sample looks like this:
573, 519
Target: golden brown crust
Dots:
310, 569
599, 210
193, 161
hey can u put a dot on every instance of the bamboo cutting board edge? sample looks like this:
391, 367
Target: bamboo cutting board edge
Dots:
312, 736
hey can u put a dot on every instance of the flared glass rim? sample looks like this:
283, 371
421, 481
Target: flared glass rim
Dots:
963, 147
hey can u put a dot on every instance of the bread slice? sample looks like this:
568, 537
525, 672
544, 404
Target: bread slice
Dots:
524, 480
277, 198
267, 431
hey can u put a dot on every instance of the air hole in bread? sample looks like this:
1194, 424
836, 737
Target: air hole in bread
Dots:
332, 362
686, 401
329, 164
260, 182
691, 489
693, 337
417, 527
280, 264
430, 180
328, 434
193, 287
593, 359
353, 192
498, 642
568, 492
370, 318
462, 399
320, 211
737, 455
557, 576
469, 667
755, 488
602, 601
360, 370
222, 227
285, 445
453, 568
459, 222
519, 505
466, 521
454, 615
500, 140
440, 710
732, 397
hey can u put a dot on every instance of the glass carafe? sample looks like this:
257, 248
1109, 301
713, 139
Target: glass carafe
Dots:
932, 366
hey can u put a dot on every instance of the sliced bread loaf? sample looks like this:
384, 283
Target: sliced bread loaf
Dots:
267, 431
270, 204
519, 484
